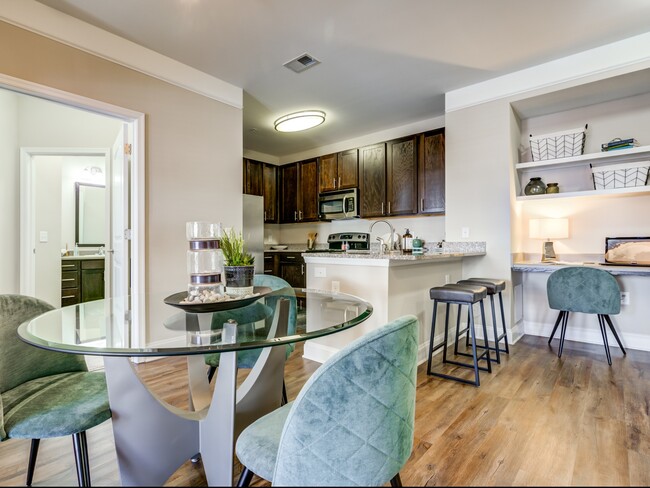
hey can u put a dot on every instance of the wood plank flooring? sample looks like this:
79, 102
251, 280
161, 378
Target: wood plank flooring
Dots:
536, 420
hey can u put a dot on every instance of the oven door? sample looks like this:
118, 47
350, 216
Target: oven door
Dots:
338, 205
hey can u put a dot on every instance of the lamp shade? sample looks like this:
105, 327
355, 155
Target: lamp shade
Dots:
299, 121
548, 228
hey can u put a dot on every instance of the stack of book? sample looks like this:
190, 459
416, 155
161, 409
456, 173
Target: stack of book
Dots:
619, 144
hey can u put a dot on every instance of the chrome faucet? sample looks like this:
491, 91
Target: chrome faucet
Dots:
392, 231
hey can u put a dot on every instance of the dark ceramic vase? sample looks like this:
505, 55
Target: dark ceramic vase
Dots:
535, 187
239, 279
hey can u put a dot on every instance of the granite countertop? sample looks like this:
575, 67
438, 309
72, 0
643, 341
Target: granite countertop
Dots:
83, 257
391, 256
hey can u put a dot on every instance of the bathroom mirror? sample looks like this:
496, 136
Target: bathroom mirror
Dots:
90, 211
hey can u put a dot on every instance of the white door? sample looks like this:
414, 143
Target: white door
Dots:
119, 221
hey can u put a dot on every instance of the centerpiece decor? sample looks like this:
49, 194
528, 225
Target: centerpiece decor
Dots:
239, 268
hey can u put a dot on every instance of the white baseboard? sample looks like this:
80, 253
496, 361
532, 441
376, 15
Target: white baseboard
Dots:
639, 342
318, 352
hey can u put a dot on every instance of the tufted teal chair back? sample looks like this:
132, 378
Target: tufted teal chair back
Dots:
582, 289
21, 362
352, 423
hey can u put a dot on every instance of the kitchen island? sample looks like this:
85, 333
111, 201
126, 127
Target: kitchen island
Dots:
395, 285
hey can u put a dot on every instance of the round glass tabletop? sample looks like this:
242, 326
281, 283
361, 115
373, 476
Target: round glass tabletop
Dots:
102, 328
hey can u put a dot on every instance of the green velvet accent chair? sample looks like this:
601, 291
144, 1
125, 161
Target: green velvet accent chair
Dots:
352, 423
252, 313
44, 393
584, 290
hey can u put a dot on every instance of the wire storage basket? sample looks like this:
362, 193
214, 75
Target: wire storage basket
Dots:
626, 175
556, 145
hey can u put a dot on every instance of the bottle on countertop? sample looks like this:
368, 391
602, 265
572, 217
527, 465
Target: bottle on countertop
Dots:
407, 242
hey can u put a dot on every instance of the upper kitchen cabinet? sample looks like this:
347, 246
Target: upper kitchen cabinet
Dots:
339, 171
299, 195
372, 180
431, 171
261, 179
402, 176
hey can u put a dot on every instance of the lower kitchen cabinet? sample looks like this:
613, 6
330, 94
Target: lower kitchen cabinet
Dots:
290, 266
82, 280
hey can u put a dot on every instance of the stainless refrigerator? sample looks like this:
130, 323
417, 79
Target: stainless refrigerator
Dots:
253, 229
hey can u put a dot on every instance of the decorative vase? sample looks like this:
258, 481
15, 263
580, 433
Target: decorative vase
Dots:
552, 188
239, 280
535, 187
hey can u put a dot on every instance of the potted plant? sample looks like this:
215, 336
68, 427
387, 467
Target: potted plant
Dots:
239, 266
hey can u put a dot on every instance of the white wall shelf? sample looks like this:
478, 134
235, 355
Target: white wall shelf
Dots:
636, 190
612, 157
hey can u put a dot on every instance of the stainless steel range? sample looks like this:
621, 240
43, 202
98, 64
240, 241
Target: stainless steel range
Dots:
351, 241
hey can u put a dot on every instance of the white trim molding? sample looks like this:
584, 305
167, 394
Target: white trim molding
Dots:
626, 55
48, 22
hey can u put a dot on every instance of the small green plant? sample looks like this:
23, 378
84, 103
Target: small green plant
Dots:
232, 245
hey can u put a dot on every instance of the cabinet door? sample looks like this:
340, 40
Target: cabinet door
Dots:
253, 177
308, 207
327, 173
92, 280
292, 269
431, 190
270, 183
271, 263
348, 169
372, 180
402, 176
289, 193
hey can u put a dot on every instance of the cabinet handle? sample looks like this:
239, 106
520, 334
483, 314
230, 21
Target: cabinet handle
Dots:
388, 208
422, 205
299, 214
290, 257
339, 182
264, 214
69, 279
68, 265
268, 271
67, 296
334, 182
302, 269
295, 215
382, 208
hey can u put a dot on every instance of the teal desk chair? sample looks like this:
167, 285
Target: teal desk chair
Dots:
43, 393
352, 423
246, 359
584, 290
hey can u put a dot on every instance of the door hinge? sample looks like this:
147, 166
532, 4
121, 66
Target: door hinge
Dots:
127, 149
128, 234
127, 315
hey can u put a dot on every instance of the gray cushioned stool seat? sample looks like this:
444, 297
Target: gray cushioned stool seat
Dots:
458, 293
493, 285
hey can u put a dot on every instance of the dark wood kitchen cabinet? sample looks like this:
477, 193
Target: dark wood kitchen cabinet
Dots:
299, 192
291, 268
402, 176
431, 171
261, 179
339, 171
372, 180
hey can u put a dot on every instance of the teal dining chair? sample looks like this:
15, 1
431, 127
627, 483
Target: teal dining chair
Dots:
246, 359
351, 424
45, 394
585, 290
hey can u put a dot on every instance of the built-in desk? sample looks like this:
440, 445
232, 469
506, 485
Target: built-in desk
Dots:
536, 318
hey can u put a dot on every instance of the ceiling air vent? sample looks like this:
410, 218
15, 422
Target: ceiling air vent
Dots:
301, 63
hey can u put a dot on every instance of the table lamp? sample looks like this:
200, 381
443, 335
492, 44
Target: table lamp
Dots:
548, 229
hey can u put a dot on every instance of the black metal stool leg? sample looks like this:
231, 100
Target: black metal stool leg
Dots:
245, 477
603, 331
557, 322
467, 335
396, 481
477, 380
433, 333
565, 319
33, 452
503, 322
81, 458
496, 333
611, 326
487, 343
444, 349
457, 330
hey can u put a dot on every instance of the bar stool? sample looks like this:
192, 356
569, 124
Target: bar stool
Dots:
493, 286
459, 295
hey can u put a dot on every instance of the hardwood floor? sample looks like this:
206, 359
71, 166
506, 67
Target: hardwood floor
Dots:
536, 420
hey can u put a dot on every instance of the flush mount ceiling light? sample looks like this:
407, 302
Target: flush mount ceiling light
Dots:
299, 121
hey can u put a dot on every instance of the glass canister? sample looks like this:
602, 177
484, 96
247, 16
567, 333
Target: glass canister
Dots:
552, 188
535, 187
418, 246
204, 261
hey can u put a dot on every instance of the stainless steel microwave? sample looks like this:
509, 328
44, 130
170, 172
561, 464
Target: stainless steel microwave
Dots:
337, 205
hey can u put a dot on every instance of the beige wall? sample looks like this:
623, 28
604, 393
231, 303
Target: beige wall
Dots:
9, 199
193, 149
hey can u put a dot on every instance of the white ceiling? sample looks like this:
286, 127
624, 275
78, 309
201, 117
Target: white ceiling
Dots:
384, 63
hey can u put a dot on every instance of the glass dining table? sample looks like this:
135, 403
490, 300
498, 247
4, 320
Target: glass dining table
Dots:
152, 437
